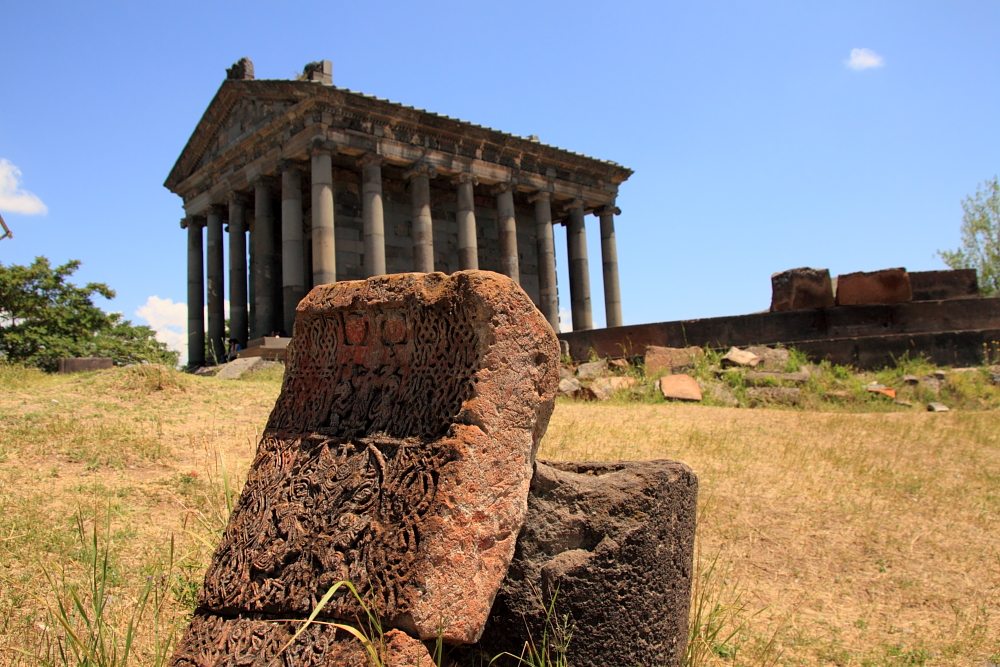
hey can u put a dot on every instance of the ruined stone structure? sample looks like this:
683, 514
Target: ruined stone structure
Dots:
398, 457
336, 185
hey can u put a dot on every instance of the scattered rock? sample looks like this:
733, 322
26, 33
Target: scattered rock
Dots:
738, 357
619, 363
616, 540
996, 378
598, 391
420, 400
566, 373
763, 377
592, 369
680, 388
771, 358
720, 393
932, 383
905, 404
909, 379
570, 387
660, 360
881, 389
885, 286
786, 395
796, 289
838, 394
940, 375
564, 348
206, 371
937, 407
622, 382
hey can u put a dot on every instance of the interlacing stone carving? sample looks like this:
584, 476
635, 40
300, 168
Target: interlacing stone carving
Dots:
398, 457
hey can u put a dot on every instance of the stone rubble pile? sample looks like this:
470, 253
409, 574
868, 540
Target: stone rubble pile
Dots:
400, 456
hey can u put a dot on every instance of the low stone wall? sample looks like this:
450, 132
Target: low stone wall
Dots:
948, 332
82, 364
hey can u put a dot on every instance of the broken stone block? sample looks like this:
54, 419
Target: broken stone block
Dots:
937, 407
619, 363
257, 642
680, 388
885, 286
738, 357
621, 382
763, 377
797, 289
616, 541
719, 392
566, 373
397, 457
570, 387
771, 358
786, 395
592, 369
598, 391
671, 359
939, 285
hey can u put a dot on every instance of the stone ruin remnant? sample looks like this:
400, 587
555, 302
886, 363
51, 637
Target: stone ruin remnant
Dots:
797, 289
398, 457
884, 286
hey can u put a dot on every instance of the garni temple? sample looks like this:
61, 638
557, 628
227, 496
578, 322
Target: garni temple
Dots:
334, 185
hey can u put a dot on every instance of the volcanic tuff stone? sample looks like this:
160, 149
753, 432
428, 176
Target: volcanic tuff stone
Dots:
796, 289
616, 541
680, 388
257, 642
771, 358
398, 455
885, 286
671, 359
592, 369
738, 357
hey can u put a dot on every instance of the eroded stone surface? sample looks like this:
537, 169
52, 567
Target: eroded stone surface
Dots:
616, 540
796, 289
680, 388
398, 455
885, 286
215, 641
671, 359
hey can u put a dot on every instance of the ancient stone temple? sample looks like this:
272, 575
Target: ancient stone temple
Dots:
335, 185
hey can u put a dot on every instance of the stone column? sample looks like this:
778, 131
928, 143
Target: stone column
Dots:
508, 231
196, 293
324, 249
423, 226
238, 321
216, 287
293, 280
548, 295
609, 258
263, 249
468, 246
579, 270
374, 222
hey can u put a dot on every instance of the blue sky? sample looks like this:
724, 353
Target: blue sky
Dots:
756, 146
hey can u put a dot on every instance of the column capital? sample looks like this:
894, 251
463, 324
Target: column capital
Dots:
420, 169
262, 179
507, 186
540, 195
211, 209
465, 177
371, 159
197, 221
322, 147
237, 197
288, 165
576, 203
607, 210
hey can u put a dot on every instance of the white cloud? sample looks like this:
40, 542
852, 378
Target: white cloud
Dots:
169, 321
864, 59
565, 320
12, 197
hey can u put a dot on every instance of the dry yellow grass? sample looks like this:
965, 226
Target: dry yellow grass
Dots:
867, 539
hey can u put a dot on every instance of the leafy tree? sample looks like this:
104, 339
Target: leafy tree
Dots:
980, 238
44, 317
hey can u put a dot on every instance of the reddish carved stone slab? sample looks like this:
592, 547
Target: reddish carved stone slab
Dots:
214, 641
398, 455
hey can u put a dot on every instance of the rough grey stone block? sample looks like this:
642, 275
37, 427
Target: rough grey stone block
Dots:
616, 541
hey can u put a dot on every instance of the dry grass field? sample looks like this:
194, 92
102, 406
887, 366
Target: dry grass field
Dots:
824, 537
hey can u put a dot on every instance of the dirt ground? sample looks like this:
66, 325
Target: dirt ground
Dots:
837, 538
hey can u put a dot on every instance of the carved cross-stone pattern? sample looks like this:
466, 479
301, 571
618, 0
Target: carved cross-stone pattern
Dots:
398, 456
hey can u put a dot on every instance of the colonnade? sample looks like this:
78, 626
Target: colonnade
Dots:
254, 309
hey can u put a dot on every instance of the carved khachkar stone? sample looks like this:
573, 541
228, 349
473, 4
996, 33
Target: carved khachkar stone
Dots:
398, 456
213, 641
616, 540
